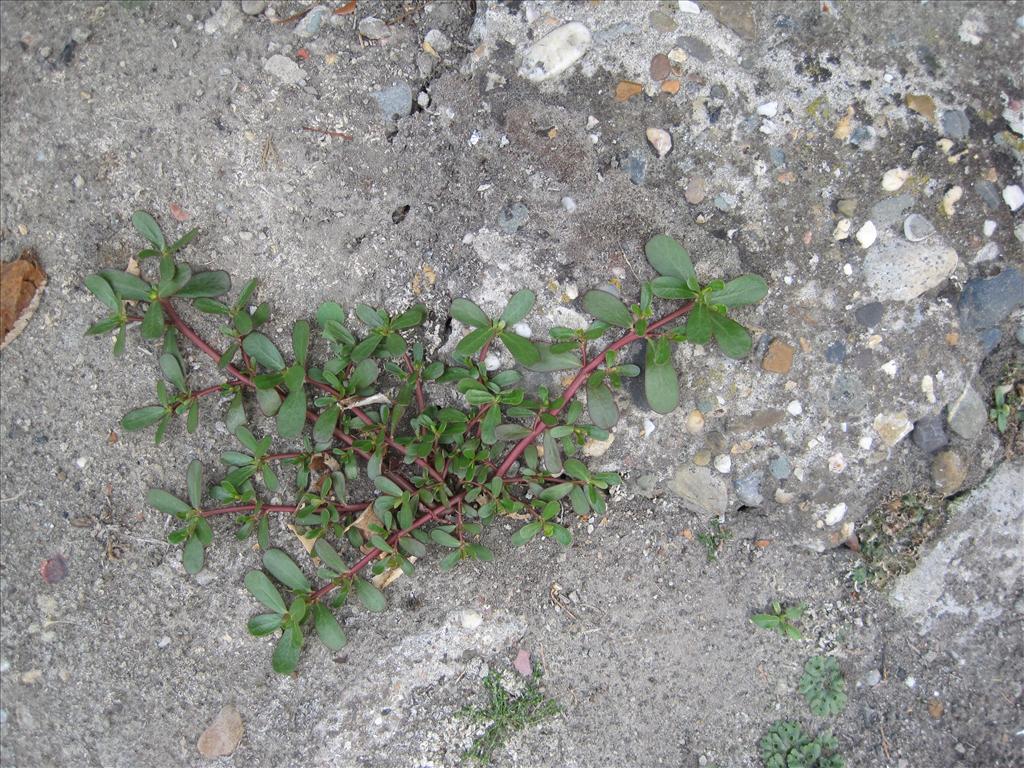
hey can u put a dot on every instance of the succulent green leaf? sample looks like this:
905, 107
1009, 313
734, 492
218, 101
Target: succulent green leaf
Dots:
518, 307
552, 454
291, 417
164, 502
368, 316
671, 288
600, 403
366, 347
327, 628
412, 317
412, 547
669, 258
147, 227
371, 597
206, 285
172, 371
698, 324
153, 322
193, 556
607, 308
264, 624
524, 534
300, 342
195, 483
468, 313
661, 385
549, 361
262, 350
386, 486
733, 339
329, 555
474, 341
329, 311
745, 289
284, 569
287, 650
101, 289
140, 418
522, 349
127, 286
323, 429
444, 538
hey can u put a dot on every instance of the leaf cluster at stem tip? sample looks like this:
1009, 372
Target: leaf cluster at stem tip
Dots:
380, 476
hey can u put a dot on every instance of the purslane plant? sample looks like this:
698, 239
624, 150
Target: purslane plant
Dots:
435, 474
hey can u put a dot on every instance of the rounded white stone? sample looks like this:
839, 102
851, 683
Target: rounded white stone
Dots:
867, 234
555, 52
723, 463
894, 178
661, 140
522, 329
835, 514
795, 408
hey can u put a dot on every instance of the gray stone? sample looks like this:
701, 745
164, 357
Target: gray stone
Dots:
701, 489
748, 490
989, 193
870, 315
513, 217
780, 467
756, 421
284, 69
864, 137
955, 124
424, 63
777, 157
989, 339
901, 270
309, 25
395, 102
437, 40
917, 228
636, 167
725, 202
972, 574
986, 301
968, 416
835, 352
696, 47
227, 19
253, 7
930, 433
373, 28
891, 210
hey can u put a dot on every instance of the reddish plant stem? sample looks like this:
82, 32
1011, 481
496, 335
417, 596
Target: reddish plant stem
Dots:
208, 390
421, 403
580, 378
289, 508
283, 456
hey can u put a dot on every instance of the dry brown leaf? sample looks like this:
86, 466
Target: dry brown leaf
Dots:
921, 104
364, 521
935, 709
179, 213
21, 288
306, 541
386, 578
627, 89
133, 267
346, 9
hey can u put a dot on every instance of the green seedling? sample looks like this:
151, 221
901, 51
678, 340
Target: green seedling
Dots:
787, 745
1006, 408
823, 686
714, 538
781, 620
505, 714
380, 478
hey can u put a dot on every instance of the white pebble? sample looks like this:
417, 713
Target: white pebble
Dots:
648, 427
569, 204
795, 408
865, 443
894, 178
1013, 196
837, 513
911, 681
836, 463
847, 269
491, 362
989, 227
688, 6
522, 329
81, 461
953, 195
723, 463
890, 368
928, 387
660, 140
867, 234
555, 52
470, 619
768, 109
572, 291
842, 230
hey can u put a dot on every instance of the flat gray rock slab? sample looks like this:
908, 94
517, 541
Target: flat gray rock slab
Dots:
974, 574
